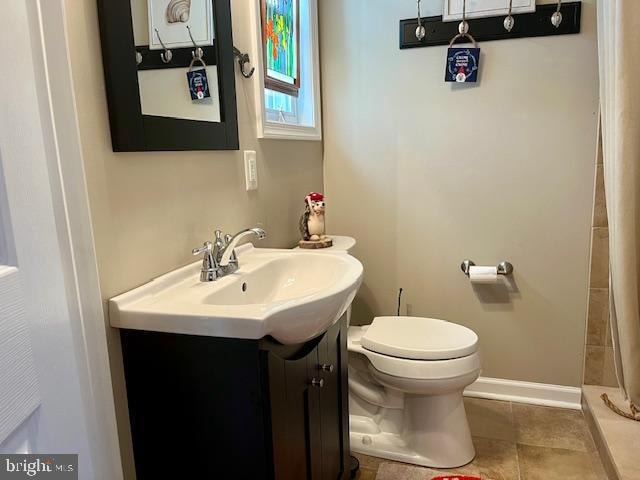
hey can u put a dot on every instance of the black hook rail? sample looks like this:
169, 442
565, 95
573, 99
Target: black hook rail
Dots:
181, 57
534, 24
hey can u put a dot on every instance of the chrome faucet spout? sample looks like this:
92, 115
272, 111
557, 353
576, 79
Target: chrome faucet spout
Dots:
227, 254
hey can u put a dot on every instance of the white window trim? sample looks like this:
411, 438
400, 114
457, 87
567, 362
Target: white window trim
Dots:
276, 130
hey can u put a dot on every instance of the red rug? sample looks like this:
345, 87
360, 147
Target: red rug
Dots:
456, 477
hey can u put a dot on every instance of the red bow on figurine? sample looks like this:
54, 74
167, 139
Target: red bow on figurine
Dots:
314, 197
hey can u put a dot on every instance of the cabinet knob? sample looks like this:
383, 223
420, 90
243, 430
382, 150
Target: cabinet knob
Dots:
326, 367
319, 383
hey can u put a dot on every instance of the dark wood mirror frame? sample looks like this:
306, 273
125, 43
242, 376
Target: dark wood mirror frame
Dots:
131, 131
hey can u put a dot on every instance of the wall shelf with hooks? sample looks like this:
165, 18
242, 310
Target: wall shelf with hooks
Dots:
534, 24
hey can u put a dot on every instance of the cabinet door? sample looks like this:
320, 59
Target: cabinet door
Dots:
295, 417
309, 409
332, 405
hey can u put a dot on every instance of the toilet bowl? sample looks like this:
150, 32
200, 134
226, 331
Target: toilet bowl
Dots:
406, 378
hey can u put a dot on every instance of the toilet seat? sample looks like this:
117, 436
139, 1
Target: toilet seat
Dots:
419, 338
410, 368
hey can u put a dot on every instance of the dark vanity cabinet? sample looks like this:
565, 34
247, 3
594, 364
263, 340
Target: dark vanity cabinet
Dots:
218, 408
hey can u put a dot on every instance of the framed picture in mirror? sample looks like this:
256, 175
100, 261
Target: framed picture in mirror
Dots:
169, 73
168, 20
484, 8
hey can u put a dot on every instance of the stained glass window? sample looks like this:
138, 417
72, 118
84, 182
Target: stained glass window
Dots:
281, 38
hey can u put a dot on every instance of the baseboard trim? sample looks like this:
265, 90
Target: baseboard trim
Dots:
526, 392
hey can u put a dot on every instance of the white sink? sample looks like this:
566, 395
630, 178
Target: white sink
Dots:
292, 295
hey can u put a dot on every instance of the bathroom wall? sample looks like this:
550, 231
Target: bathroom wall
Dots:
425, 174
599, 366
150, 209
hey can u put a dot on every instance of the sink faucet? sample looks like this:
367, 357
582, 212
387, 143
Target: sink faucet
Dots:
219, 257
227, 256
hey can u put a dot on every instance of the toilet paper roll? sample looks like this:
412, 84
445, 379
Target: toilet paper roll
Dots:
478, 274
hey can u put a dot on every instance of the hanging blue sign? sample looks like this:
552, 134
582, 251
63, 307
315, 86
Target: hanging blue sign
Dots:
198, 84
462, 65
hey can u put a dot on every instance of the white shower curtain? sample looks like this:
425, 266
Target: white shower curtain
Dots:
618, 46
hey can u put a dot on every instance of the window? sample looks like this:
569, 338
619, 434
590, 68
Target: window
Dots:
281, 107
287, 88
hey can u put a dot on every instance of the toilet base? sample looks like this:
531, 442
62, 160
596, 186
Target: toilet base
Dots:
431, 431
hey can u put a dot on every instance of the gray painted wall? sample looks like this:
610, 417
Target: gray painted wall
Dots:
425, 174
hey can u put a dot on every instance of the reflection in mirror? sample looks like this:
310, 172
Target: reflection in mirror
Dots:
169, 36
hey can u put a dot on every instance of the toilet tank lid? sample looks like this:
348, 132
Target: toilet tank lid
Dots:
419, 338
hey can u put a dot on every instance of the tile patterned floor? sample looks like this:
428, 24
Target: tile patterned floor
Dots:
513, 442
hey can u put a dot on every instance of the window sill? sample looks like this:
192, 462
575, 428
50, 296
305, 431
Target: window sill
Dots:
282, 131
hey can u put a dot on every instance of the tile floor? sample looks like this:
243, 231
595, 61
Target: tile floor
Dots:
513, 442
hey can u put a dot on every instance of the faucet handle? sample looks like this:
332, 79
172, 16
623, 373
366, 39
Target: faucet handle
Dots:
205, 248
219, 242
227, 240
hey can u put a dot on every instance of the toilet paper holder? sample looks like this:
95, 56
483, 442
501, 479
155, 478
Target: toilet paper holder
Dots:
504, 268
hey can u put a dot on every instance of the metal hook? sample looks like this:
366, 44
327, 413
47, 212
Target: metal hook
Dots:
243, 59
167, 55
509, 21
198, 53
463, 27
556, 18
420, 30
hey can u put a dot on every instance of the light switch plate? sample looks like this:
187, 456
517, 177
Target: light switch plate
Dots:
250, 170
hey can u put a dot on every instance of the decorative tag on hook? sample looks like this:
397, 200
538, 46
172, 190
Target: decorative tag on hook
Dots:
462, 63
197, 80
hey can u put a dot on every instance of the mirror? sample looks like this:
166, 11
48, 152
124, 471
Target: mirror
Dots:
169, 73
159, 28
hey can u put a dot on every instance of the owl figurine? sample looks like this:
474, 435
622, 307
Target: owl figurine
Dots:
312, 220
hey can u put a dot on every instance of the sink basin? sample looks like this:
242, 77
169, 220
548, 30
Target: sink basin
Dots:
292, 295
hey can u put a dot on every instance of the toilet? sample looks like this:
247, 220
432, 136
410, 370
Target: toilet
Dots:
406, 379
